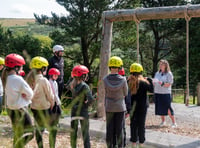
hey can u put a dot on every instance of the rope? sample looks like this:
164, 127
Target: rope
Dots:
187, 18
138, 42
137, 20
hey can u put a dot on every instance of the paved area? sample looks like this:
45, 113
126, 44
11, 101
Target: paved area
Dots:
156, 139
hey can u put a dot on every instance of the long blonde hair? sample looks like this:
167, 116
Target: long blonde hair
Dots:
133, 83
4, 76
30, 78
75, 81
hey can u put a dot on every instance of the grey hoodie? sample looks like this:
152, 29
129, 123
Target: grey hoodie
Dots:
115, 90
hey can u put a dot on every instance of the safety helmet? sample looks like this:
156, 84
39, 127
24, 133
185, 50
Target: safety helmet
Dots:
38, 62
136, 68
54, 71
2, 61
115, 62
13, 60
22, 73
57, 48
121, 72
79, 70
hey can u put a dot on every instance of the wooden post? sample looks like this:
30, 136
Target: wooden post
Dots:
198, 94
104, 56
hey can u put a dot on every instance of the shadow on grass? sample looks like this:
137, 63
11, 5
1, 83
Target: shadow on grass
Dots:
154, 127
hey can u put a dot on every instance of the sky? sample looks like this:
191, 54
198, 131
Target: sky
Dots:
26, 8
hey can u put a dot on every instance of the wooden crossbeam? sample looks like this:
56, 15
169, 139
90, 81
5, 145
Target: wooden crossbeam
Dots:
152, 13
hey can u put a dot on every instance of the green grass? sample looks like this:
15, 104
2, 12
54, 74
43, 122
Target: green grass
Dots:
180, 99
4, 113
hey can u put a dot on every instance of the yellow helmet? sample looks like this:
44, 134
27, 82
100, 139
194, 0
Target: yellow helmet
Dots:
2, 61
38, 62
136, 67
115, 62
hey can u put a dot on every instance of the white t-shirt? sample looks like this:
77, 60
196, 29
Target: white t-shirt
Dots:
15, 87
54, 87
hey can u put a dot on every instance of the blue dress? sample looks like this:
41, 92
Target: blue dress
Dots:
163, 94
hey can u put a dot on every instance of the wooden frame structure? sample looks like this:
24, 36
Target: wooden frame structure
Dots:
137, 15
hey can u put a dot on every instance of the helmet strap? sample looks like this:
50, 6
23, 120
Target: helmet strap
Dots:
43, 69
52, 77
17, 68
85, 77
57, 53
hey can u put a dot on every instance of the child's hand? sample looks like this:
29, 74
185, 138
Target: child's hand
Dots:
52, 105
127, 115
86, 101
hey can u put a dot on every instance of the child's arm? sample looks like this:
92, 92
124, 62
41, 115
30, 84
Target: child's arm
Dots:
26, 92
48, 91
150, 85
89, 97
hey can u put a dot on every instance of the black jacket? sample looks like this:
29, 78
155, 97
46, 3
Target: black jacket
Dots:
140, 98
57, 62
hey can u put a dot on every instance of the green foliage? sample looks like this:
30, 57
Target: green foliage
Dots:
32, 29
4, 113
81, 26
180, 99
24, 44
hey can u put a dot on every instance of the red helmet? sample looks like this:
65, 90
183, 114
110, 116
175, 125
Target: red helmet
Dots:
13, 60
54, 71
79, 70
22, 73
121, 72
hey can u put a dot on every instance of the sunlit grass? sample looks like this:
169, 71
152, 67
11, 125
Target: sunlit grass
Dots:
180, 99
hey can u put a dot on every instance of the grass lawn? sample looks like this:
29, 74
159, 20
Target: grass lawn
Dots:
180, 99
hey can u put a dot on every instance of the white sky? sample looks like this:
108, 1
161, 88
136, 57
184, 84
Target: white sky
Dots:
26, 8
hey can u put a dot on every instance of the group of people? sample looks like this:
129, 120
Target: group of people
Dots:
129, 96
41, 91
42, 88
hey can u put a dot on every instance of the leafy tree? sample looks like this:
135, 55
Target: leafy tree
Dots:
158, 38
82, 25
23, 44
5, 36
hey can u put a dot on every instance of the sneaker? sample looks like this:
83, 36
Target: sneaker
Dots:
45, 131
174, 125
162, 124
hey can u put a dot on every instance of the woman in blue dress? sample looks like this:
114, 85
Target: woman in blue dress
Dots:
163, 81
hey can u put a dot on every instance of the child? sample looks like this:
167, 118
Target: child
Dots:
18, 95
2, 62
82, 97
43, 98
115, 90
128, 107
56, 111
138, 86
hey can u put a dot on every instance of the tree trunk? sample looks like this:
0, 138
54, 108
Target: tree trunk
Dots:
84, 50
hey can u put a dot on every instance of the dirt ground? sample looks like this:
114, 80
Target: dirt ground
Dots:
63, 137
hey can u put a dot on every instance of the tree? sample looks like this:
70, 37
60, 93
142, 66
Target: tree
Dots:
82, 25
